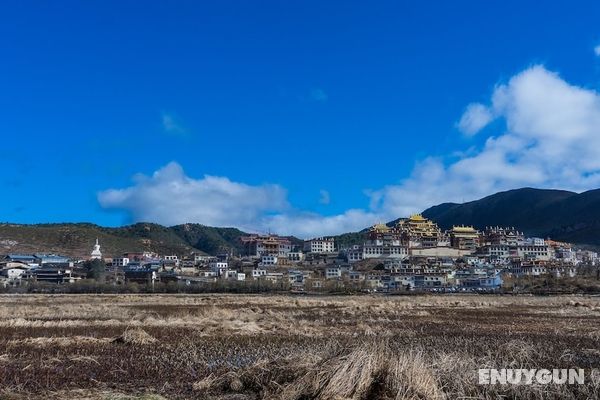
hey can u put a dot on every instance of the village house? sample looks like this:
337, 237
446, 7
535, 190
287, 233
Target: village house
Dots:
356, 276
51, 275
482, 282
430, 280
143, 256
268, 260
259, 245
258, 273
218, 267
320, 245
233, 275
502, 236
333, 273
28, 259
120, 261
295, 256
186, 269
208, 273
587, 257
201, 258
142, 275
171, 260
562, 271
274, 277
12, 272
528, 268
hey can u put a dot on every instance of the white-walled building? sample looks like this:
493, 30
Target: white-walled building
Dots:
199, 258
14, 273
171, 259
320, 245
218, 267
586, 257
532, 251
333, 272
120, 261
268, 261
233, 275
371, 250
295, 256
258, 272
374, 251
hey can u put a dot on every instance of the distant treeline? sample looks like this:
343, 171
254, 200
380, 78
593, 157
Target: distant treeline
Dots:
524, 285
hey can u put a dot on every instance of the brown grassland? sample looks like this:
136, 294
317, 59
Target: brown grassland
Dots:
285, 347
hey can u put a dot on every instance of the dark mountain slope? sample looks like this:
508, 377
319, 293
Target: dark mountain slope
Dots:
78, 239
559, 214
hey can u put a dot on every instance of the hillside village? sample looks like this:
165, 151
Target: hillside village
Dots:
413, 254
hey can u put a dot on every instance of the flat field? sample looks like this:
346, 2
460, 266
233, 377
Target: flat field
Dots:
286, 347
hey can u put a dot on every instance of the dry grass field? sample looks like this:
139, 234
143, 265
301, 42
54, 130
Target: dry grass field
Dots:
284, 347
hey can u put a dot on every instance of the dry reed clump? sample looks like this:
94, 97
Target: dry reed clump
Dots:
264, 376
57, 341
136, 336
457, 373
368, 371
371, 370
520, 354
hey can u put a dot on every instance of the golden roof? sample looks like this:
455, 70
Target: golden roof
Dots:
416, 217
463, 229
381, 227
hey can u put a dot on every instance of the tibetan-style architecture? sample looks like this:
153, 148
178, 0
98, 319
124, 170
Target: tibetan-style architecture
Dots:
382, 242
421, 232
496, 235
464, 237
263, 245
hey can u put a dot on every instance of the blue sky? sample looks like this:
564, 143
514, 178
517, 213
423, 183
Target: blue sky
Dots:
299, 117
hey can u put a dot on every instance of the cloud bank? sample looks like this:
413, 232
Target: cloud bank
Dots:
170, 197
551, 139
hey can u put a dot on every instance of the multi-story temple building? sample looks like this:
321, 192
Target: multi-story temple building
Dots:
503, 244
464, 237
421, 232
495, 235
262, 245
384, 242
408, 236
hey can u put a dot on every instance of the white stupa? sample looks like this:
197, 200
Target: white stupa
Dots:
96, 253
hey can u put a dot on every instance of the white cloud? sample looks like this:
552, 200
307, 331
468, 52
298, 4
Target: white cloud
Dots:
597, 50
324, 198
475, 118
170, 197
172, 125
306, 225
552, 139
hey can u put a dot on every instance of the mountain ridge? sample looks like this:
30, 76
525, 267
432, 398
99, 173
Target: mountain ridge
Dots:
558, 214
77, 239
